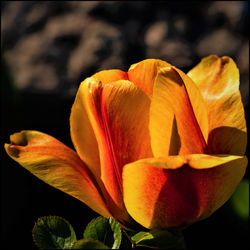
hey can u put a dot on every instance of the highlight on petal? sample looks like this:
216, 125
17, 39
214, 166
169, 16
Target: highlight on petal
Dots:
176, 191
109, 76
57, 165
143, 74
117, 115
218, 81
178, 115
203, 161
81, 130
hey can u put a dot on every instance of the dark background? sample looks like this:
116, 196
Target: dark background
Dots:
48, 48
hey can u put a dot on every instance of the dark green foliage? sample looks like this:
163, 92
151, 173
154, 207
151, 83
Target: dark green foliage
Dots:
159, 239
53, 232
105, 230
89, 244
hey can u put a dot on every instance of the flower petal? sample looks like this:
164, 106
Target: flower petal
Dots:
175, 191
81, 130
57, 165
112, 75
178, 117
143, 74
218, 81
117, 114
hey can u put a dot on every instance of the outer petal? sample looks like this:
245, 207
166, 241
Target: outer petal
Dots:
57, 165
126, 114
176, 191
218, 81
82, 133
117, 114
178, 115
112, 75
143, 74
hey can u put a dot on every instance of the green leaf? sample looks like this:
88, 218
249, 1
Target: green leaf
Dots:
105, 230
159, 239
240, 200
117, 234
53, 232
138, 236
89, 244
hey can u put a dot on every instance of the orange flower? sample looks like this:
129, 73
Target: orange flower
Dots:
153, 145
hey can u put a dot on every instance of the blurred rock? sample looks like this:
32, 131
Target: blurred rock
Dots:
242, 61
242, 58
156, 33
176, 52
220, 42
48, 57
231, 9
51, 46
24, 57
173, 51
100, 48
158, 45
83, 7
180, 24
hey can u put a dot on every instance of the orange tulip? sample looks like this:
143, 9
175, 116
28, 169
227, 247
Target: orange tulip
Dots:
153, 145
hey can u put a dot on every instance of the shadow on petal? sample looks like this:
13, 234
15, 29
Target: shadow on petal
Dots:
175, 141
178, 201
227, 140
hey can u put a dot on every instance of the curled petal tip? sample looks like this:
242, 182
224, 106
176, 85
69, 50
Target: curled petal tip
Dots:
19, 138
11, 150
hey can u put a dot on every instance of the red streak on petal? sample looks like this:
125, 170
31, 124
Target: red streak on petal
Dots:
109, 143
102, 117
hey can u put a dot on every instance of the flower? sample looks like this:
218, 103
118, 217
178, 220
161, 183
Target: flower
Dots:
153, 145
